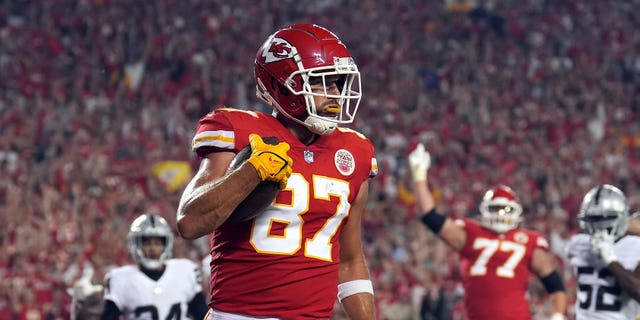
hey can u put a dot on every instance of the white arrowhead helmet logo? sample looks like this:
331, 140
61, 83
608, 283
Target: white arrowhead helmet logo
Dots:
276, 50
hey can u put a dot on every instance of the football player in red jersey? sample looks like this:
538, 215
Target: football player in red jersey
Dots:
497, 257
303, 250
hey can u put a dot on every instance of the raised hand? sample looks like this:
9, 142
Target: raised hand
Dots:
419, 162
602, 243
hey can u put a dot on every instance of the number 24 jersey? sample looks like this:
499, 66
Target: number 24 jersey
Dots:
142, 298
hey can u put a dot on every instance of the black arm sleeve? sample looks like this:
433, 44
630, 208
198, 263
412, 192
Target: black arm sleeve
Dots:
434, 220
198, 306
110, 312
552, 282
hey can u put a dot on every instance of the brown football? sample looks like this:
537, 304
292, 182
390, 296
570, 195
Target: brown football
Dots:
263, 194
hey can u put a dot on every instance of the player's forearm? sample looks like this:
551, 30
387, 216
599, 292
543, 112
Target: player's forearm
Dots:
424, 198
359, 306
355, 290
559, 302
634, 224
627, 280
353, 269
203, 208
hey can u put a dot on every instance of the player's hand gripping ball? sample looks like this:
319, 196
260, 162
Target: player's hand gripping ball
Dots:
271, 161
263, 194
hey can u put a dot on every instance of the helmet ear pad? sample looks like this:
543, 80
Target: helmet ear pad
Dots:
293, 105
296, 107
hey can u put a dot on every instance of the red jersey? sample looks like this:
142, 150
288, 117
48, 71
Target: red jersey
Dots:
495, 271
284, 263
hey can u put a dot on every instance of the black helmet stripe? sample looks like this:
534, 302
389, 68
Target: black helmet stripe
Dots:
596, 197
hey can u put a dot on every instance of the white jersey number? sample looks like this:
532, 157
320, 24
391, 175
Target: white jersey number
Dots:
488, 248
289, 242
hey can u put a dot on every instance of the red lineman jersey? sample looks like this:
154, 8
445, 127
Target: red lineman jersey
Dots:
284, 263
495, 271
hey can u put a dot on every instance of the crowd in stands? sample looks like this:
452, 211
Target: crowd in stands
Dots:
99, 100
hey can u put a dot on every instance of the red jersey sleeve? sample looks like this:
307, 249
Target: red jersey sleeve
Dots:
215, 133
227, 129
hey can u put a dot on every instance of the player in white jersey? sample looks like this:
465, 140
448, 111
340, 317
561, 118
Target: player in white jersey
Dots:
136, 295
157, 288
605, 259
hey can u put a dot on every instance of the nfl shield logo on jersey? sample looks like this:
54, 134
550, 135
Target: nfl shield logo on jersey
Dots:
308, 156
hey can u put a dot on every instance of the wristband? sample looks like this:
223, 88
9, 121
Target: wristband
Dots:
352, 287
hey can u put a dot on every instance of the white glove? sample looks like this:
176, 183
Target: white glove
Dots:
419, 162
602, 244
83, 288
557, 316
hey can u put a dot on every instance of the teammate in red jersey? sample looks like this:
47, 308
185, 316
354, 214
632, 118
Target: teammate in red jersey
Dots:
295, 257
497, 257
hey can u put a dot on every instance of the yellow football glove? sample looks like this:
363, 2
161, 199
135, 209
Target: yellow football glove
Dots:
271, 161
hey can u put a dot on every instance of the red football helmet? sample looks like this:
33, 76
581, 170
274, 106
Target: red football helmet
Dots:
296, 56
500, 209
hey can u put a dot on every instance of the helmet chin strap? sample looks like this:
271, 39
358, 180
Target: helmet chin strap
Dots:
319, 126
152, 264
314, 124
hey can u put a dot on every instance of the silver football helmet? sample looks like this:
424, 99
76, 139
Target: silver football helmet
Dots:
604, 209
150, 225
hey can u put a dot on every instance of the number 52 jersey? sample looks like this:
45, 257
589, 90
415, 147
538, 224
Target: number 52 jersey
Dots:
599, 296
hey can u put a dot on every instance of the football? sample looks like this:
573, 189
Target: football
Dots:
263, 194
